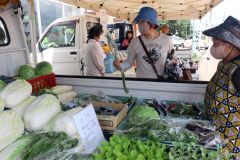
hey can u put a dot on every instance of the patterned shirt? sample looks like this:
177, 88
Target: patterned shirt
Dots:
158, 49
222, 101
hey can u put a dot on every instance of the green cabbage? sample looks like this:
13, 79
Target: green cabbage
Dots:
15, 150
2, 104
40, 112
43, 68
142, 114
11, 128
2, 84
26, 72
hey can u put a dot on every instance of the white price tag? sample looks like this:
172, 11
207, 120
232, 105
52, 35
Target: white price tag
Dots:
89, 128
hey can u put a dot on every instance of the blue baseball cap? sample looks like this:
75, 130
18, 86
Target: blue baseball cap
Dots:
147, 14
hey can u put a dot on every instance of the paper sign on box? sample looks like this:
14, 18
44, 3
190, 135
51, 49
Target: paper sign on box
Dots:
89, 129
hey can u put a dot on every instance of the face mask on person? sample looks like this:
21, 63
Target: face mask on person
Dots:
144, 28
220, 52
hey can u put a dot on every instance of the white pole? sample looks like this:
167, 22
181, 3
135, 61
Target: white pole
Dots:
63, 12
32, 22
40, 31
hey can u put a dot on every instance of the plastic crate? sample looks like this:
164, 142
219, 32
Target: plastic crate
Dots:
42, 82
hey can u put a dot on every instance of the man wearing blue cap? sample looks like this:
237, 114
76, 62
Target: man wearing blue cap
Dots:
157, 45
222, 99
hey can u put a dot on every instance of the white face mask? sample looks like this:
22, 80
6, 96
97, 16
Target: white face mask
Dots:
144, 28
218, 52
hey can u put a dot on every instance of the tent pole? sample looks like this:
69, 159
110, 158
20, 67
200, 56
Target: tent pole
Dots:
40, 31
32, 21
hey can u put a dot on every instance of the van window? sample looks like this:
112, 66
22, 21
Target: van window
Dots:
4, 35
89, 25
62, 35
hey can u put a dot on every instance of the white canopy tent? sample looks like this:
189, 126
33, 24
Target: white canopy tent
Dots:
167, 9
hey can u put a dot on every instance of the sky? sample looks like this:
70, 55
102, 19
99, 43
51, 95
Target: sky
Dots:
220, 13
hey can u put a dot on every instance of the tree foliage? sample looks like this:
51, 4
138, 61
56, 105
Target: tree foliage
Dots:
181, 28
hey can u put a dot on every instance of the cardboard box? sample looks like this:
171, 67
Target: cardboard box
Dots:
111, 122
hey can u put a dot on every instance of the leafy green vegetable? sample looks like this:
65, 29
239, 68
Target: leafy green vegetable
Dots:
142, 114
2, 84
123, 148
50, 146
157, 130
191, 151
26, 72
15, 150
124, 82
43, 68
184, 109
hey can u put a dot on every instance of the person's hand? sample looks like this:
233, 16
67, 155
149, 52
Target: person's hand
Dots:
102, 74
174, 61
117, 64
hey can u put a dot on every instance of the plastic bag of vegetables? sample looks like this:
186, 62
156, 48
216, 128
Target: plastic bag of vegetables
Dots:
11, 128
63, 122
16, 92
43, 109
42, 146
51, 146
15, 150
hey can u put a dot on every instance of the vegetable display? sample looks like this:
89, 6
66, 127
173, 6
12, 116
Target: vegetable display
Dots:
11, 128
123, 148
43, 109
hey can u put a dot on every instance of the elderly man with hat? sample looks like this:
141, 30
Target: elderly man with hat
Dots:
222, 99
157, 45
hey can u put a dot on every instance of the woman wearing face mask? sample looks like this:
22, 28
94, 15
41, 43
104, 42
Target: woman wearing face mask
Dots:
222, 99
94, 57
158, 45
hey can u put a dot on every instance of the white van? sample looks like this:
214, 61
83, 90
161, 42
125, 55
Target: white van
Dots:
63, 42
